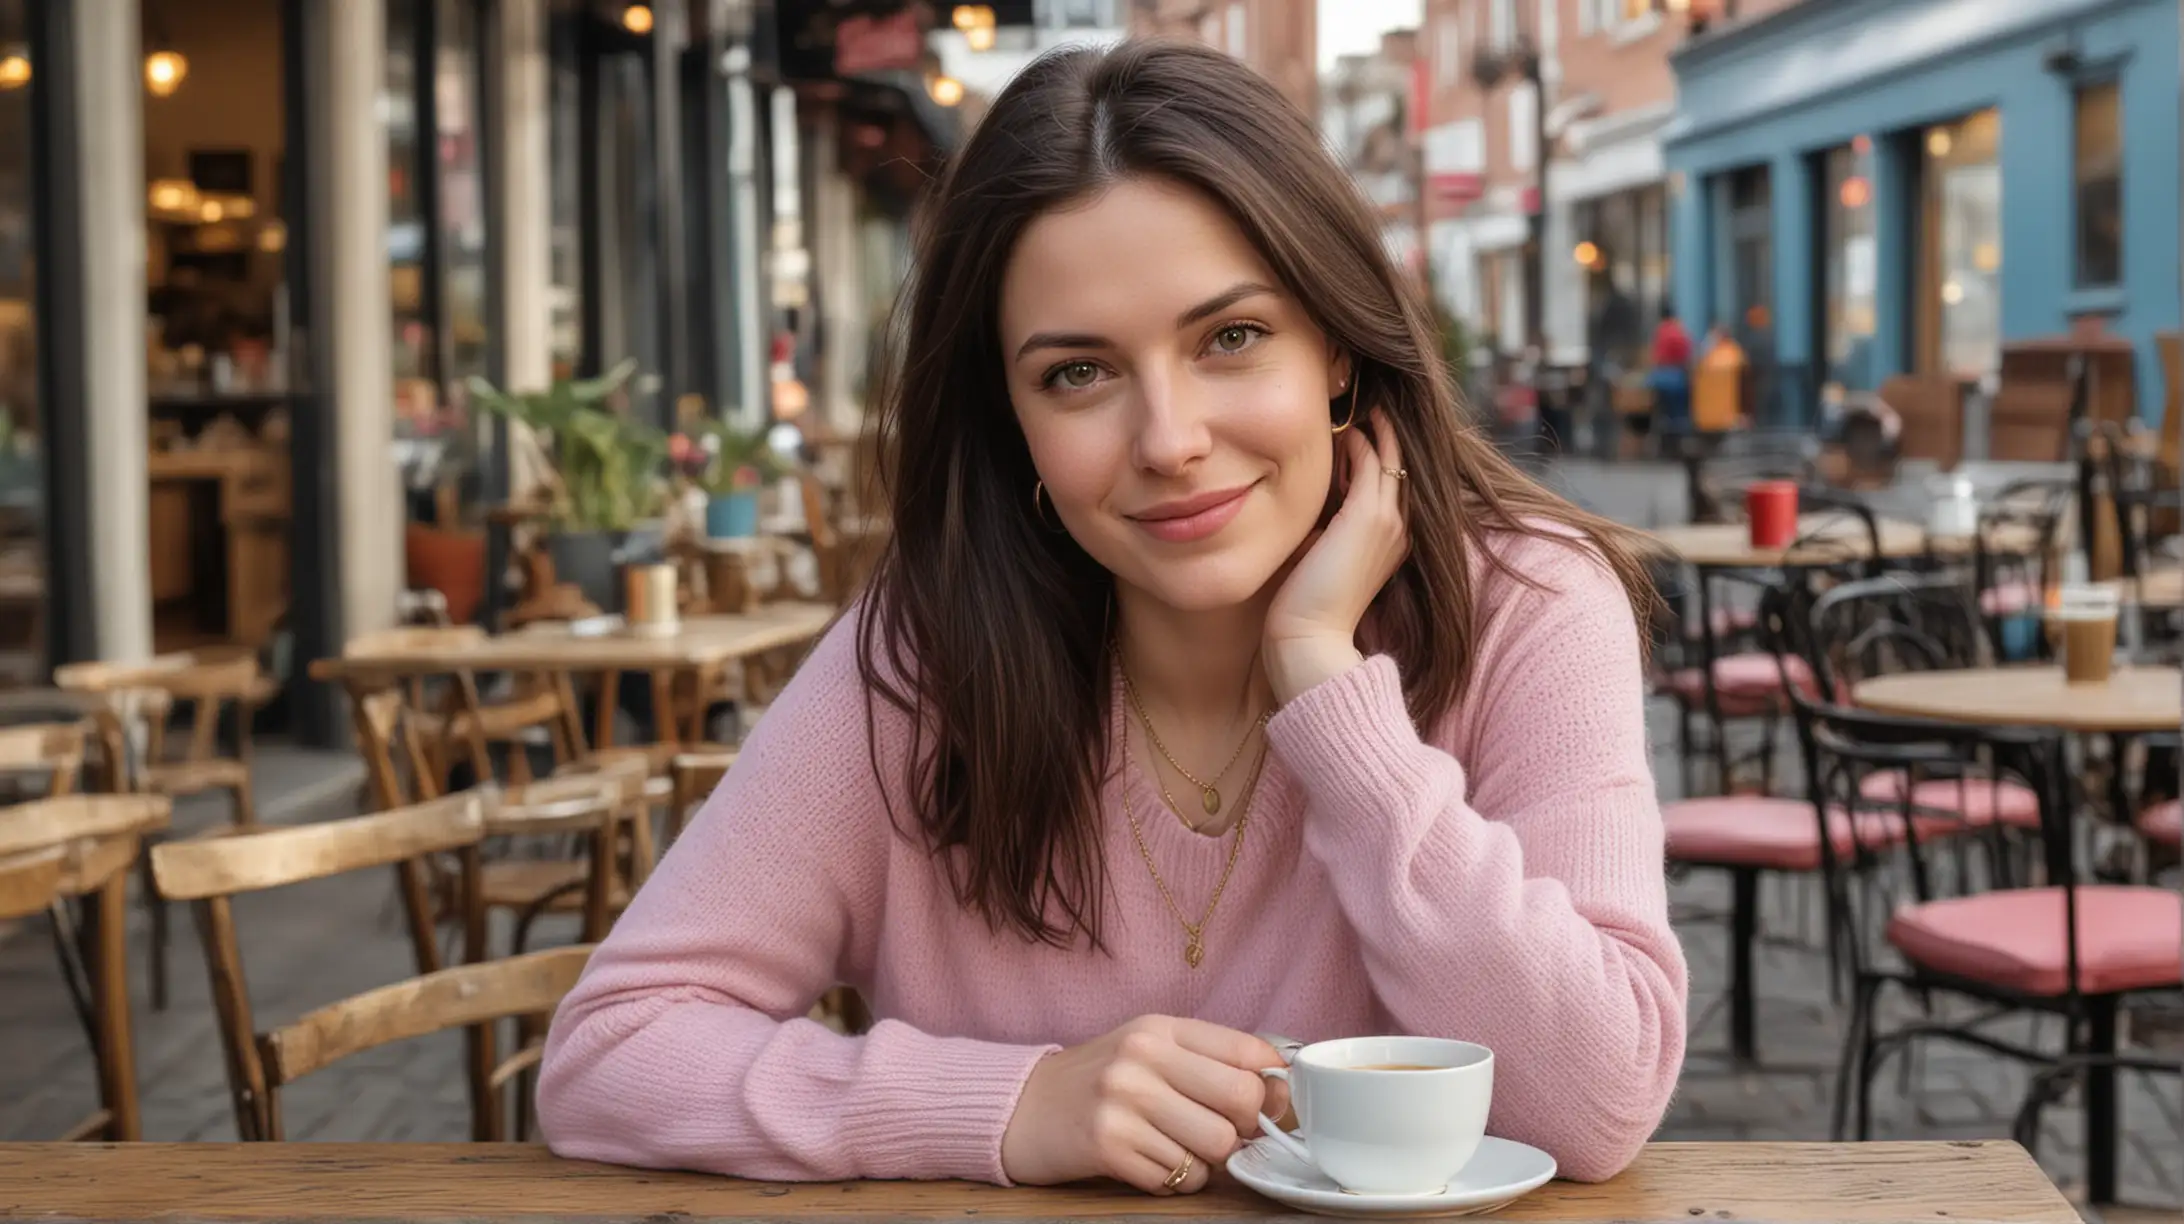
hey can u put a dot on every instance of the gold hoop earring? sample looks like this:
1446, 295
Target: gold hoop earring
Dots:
1351, 418
1038, 488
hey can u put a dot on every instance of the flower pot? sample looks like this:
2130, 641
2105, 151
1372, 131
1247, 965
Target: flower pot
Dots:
586, 559
732, 516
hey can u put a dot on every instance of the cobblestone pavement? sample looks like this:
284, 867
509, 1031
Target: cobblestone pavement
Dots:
307, 945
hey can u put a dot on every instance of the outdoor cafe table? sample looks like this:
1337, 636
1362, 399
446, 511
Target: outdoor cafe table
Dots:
2135, 700
703, 646
1823, 539
1671, 1183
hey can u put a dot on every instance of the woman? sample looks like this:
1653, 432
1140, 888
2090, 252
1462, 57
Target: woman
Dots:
1116, 765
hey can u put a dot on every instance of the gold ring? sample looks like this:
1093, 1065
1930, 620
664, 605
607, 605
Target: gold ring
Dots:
1182, 1171
1398, 473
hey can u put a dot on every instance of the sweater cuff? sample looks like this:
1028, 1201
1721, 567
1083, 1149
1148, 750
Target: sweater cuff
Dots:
944, 1106
1350, 743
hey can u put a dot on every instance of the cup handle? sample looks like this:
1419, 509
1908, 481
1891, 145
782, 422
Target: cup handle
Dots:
1283, 1139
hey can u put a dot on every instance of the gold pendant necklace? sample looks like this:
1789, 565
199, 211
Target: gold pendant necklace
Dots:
1194, 942
1209, 793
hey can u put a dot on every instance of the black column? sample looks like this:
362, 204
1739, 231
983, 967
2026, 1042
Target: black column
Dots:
670, 33
492, 128
590, 232
315, 531
63, 251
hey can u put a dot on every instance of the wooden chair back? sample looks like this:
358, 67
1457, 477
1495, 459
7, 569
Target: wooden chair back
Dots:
696, 776
210, 872
30, 881
55, 749
65, 819
524, 988
83, 846
1931, 409
214, 681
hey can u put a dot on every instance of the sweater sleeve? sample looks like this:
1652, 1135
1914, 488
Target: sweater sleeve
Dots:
1521, 903
685, 1044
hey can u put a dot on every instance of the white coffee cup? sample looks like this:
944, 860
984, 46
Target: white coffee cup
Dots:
1375, 1129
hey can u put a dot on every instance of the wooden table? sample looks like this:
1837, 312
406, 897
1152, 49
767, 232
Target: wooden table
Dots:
703, 646
1671, 1183
2135, 699
2162, 588
1836, 538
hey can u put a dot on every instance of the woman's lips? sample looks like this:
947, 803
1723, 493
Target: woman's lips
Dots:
1192, 519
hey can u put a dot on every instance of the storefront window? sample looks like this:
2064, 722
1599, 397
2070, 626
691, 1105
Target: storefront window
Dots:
462, 217
413, 352
436, 252
1960, 312
2098, 178
22, 563
1624, 248
1852, 266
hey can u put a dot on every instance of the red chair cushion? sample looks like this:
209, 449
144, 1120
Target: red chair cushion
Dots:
2009, 598
2164, 823
1747, 683
1977, 801
2129, 938
1770, 834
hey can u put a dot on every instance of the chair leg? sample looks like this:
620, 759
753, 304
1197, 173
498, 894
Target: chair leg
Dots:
246, 808
1849, 1069
1743, 934
2102, 1105
1683, 748
157, 908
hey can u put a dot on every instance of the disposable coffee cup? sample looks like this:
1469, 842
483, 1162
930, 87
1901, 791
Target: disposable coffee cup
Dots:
1387, 1115
2086, 620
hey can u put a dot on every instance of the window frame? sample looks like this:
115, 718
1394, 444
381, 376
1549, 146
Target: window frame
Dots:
2109, 77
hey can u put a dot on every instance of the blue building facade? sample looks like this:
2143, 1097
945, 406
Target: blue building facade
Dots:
1862, 188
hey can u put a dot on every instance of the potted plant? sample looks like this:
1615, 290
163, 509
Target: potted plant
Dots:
732, 465
602, 470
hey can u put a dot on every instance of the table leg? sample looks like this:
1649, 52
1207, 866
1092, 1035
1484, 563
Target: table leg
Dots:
663, 705
610, 700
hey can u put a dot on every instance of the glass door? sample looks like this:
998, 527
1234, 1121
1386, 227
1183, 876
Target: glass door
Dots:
22, 559
1960, 266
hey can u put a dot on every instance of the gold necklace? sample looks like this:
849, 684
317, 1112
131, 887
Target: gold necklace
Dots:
1194, 944
1209, 793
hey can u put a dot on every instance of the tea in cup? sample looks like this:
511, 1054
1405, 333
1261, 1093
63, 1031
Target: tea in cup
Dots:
2086, 616
1387, 1115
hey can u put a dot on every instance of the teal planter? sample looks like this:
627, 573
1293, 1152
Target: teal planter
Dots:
732, 516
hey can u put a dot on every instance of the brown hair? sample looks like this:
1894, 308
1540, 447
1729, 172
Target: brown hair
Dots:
989, 630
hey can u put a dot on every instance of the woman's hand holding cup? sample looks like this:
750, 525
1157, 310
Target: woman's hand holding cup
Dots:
1133, 1104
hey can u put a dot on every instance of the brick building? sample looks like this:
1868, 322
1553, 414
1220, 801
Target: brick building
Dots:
1280, 38
1609, 93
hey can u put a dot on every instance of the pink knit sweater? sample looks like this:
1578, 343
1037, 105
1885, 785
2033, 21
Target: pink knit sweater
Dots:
1499, 881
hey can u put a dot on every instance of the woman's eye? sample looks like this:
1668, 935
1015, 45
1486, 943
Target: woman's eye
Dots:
1077, 375
1234, 339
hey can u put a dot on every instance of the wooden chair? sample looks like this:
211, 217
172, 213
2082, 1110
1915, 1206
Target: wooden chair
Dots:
695, 776
54, 751
591, 807
137, 701
595, 884
462, 724
58, 851
210, 872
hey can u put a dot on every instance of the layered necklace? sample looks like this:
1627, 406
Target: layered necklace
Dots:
1194, 933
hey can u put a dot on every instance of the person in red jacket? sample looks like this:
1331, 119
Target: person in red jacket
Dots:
1670, 377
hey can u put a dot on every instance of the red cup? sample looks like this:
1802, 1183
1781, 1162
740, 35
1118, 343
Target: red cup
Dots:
1770, 506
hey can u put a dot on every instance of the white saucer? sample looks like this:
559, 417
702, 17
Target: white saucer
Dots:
1502, 1172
